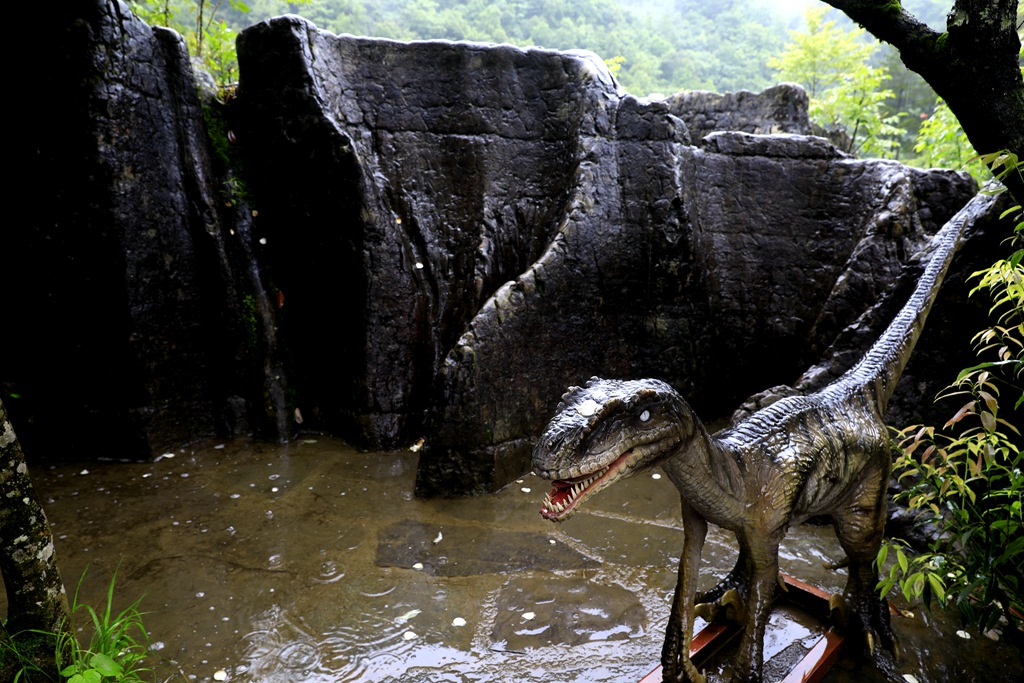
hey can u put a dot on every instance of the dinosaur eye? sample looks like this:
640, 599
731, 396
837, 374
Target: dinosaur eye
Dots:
645, 416
588, 407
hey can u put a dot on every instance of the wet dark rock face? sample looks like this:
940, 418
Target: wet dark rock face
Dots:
125, 279
448, 235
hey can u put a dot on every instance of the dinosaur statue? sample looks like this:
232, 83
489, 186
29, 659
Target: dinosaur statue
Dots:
826, 453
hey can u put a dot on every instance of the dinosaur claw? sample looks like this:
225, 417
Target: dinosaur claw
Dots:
733, 605
782, 583
706, 611
838, 564
837, 608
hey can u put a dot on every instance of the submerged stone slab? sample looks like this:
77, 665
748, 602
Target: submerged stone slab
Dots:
462, 550
542, 610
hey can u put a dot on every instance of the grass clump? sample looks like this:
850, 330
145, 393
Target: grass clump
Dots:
117, 646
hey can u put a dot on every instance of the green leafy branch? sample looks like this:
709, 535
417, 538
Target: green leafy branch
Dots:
966, 479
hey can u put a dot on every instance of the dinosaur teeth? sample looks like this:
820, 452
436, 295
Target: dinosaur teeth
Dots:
565, 498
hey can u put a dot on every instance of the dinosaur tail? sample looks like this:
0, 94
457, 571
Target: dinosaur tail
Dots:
879, 370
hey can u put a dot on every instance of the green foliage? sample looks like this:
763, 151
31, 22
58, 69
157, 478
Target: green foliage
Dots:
117, 646
834, 66
942, 143
208, 34
666, 46
967, 478
614, 64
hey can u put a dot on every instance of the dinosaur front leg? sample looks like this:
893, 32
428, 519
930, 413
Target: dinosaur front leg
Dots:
675, 654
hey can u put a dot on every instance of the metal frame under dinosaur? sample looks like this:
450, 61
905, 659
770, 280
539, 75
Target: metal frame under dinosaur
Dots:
826, 453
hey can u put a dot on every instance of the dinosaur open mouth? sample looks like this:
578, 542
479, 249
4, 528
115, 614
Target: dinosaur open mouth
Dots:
566, 494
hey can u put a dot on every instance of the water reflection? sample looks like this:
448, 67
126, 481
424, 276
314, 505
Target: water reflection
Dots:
313, 562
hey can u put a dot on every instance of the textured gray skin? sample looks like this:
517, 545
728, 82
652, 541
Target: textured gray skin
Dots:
822, 454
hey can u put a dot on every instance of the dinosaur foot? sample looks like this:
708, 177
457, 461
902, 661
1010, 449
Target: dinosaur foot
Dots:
686, 673
729, 607
736, 580
869, 619
676, 666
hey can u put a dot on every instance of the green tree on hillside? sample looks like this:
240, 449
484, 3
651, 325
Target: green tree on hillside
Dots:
845, 90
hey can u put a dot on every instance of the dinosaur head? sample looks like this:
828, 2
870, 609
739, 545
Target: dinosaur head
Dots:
603, 432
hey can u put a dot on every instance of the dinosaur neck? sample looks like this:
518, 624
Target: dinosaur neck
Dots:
881, 367
707, 475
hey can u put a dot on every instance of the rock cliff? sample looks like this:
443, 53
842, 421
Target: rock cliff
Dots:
435, 239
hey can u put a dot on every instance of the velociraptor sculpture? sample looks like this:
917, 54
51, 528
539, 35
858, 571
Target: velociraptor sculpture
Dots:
826, 453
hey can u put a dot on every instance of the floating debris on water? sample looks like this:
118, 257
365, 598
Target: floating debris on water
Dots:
219, 447
409, 635
529, 616
656, 475
418, 566
964, 634
438, 539
458, 621
525, 489
409, 615
910, 678
220, 675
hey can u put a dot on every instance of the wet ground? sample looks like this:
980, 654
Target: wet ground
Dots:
313, 562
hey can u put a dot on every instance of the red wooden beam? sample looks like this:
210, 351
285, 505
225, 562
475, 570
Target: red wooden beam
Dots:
811, 669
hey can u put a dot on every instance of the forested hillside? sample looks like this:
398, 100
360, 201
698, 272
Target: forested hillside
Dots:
665, 45
653, 46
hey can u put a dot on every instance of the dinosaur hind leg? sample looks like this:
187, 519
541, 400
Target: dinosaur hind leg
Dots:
762, 553
860, 527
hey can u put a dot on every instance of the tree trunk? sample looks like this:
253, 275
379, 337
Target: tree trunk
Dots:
36, 600
974, 66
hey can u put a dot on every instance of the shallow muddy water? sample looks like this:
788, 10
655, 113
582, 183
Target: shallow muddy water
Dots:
314, 562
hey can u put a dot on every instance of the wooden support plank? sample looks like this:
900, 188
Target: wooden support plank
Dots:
815, 664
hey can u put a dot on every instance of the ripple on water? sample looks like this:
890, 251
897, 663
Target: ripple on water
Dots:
284, 649
329, 572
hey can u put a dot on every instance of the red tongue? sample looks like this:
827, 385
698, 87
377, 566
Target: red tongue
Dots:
560, 491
